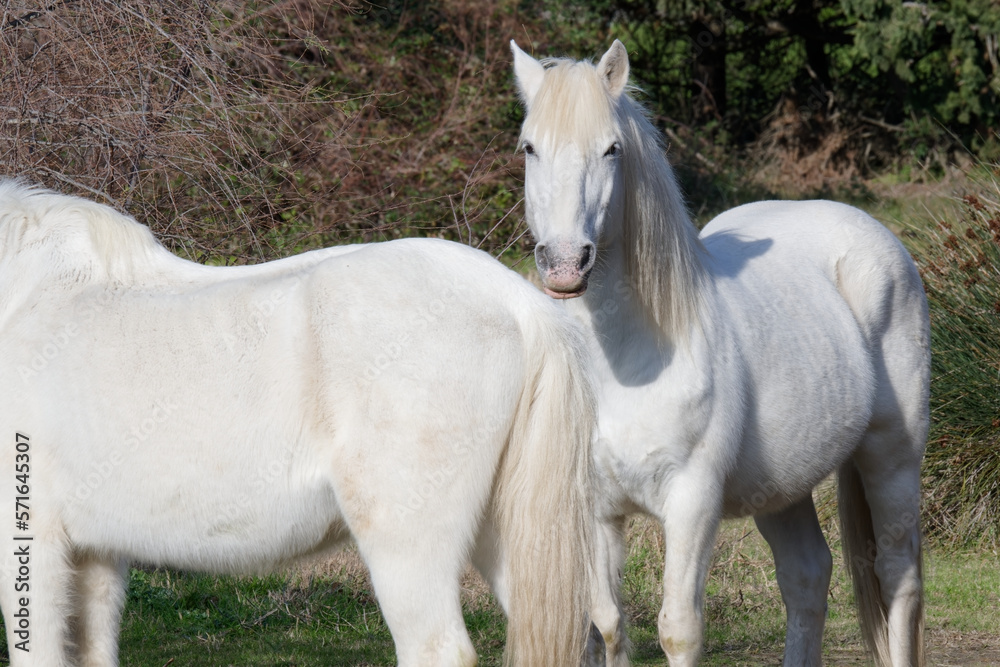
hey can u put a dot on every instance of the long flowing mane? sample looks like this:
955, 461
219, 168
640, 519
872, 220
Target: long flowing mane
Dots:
663, 253
86, 239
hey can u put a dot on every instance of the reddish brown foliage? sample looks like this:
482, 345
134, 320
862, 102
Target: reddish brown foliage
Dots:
240, 132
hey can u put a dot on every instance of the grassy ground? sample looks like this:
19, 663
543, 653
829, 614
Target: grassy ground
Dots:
745, 617
333, 620
327, 615
322, 615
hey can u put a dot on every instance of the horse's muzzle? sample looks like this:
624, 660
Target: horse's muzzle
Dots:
564, 268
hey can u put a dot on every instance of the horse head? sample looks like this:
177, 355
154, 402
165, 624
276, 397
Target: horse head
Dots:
573, 170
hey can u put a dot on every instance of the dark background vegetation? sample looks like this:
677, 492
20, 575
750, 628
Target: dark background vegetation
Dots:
245, 131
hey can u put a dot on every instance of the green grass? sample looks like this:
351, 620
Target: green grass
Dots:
745, 622
745, 619
332, 618
192, 619
204, 620
326, 622
963, 591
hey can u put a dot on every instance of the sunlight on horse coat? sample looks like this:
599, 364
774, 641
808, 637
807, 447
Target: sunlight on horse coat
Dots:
735, 370
415, 396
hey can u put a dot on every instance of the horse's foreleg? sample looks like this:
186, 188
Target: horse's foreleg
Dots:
803, 563
690, 518
35, 596
609, 559
100, 589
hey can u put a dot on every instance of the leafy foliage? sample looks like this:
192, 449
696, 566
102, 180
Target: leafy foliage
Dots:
940, 59
884, 77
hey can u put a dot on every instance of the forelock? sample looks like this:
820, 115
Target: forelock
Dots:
572, 105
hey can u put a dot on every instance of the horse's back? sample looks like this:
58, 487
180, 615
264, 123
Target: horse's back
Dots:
826, 298
810, 242
813, 245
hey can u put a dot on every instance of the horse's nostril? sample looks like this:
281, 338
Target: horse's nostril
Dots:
542, 258
586, 257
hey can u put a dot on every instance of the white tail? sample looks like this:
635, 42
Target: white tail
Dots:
543, 503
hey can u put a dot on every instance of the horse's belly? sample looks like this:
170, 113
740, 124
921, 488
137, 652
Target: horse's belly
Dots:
239, 523
768, 491
797, 441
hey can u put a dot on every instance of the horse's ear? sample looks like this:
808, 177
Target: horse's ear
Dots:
613, 68
528, 73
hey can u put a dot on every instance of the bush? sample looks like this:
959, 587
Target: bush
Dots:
182, 113
244, 131
960, 265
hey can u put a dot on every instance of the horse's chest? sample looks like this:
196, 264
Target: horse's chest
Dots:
647, 434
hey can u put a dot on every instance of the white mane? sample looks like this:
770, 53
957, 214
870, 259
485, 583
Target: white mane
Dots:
661, 245
114, 246
664, 262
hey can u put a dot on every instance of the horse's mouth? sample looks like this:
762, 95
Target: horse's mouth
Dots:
564, 295
578, 290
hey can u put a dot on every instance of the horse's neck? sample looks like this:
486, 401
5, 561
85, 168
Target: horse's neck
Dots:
623, 331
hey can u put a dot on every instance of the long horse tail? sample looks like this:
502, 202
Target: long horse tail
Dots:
543, 501
860, 551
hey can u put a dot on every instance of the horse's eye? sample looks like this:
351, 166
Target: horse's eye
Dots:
529, 149
612, 150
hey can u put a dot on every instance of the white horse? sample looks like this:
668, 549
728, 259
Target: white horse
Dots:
415, 396
734, 371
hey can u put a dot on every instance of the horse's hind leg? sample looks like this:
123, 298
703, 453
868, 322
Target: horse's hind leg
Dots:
100, 589
35, 596
488, 558
879, 489
879, 503
890, 548
803, 562
416, 558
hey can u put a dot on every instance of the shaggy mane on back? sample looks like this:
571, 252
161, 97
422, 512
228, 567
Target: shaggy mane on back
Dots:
119, 244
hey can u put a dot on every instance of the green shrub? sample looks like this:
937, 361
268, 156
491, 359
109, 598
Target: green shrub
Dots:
959, 260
